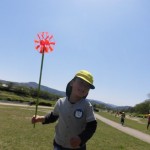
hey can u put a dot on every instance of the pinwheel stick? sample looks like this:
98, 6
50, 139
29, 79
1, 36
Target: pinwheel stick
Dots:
39, 86
44, 46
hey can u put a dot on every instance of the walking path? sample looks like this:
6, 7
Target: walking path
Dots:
22, 105
137, 134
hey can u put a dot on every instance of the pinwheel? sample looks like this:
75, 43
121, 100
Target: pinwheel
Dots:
43, 45
44, 42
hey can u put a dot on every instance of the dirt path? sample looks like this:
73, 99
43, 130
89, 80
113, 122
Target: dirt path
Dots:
137, 134
23, 105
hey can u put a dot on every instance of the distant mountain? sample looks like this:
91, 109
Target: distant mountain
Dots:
61, 93
35, 85
44, 88
110, 106
106, 104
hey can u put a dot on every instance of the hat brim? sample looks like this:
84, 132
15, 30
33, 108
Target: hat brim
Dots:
91, 85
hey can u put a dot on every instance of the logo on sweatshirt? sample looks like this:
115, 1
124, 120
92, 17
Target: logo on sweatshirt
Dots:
78, 113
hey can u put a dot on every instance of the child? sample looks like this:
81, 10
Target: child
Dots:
76, 120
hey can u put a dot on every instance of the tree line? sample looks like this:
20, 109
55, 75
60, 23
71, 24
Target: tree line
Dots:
28, 91
141, 108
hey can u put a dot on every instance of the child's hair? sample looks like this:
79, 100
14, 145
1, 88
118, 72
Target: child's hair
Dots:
69, 88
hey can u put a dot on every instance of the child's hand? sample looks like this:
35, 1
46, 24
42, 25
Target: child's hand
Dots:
75, 141
37, 119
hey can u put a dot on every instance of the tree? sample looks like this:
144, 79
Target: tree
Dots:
143, 107
10, 85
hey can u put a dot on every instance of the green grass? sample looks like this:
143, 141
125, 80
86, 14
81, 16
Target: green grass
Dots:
13, 97
141, 126
17, 132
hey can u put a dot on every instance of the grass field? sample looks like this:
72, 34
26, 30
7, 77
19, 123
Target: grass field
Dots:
17, 133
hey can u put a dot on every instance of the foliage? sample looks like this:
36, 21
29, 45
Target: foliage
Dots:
143, 108
13, 97
18, 92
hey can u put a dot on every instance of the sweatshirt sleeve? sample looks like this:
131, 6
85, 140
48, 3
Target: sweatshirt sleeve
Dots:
88, 132
50, 118
54, 115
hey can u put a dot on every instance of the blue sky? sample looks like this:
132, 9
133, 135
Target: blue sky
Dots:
109, 38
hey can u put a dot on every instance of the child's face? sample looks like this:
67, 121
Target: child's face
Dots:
80, 88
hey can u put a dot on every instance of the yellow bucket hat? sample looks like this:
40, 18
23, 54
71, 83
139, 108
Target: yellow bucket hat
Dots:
86, 76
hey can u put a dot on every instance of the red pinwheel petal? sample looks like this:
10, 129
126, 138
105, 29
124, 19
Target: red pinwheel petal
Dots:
47, 37
41, 49
36, 41
53, 43
46, 49
50, 37
47, 42
51, 49
38, 36
37, 47
42, 35
42, 43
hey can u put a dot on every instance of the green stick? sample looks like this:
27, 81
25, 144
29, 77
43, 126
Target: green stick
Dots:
37, 102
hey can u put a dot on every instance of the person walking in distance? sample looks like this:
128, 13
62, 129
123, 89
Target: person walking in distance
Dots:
122, 118
76, 121
148, 121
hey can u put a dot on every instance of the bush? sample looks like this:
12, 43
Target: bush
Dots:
45, 104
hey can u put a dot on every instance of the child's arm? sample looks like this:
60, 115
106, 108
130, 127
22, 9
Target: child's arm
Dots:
37, 119
88, 132
50, 118
83, 137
